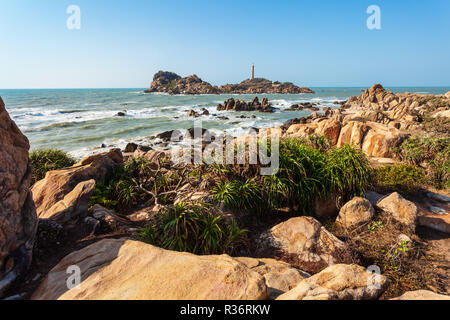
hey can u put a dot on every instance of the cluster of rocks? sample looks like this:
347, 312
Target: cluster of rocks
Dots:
402, 111
171, 83
240, 105
302, 106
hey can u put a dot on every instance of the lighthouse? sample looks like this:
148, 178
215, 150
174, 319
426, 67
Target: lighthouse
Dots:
253, 71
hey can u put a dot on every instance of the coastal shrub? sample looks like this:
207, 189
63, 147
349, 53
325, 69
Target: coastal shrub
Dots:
306, 173
238, 194
193, 228
400, 177
347, 172
45, 160
433, 154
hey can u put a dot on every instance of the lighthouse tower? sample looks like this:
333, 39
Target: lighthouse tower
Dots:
253, 71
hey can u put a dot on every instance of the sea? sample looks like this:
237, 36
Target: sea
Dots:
86, 121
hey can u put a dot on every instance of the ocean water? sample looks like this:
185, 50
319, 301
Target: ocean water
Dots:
80, 121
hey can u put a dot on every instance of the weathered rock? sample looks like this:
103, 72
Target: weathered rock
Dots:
306, 242
439, 222
73, 205
380, 140
18, 221
356, 212
130, 147
400, 209
422, 295
352, 133
58, 184
240, 105
339, 282
129, 270
280, 277
331, 129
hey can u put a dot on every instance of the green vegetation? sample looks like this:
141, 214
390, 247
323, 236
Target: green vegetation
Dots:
45, 160
401, 177
432, 154
306, 174
193, 228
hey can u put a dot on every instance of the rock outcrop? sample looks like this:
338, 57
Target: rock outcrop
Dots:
339, 282
241, 105
18, 221
64, 194
171, 83
356, 212
128, 270
306, 243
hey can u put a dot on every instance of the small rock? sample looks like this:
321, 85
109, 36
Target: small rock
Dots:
355, 213
339, 282
400, 209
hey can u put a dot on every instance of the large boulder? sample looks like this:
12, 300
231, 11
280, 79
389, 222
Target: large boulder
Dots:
63, 194
380, 140
339, 282
422, 295
356, 212
122, 269
280, 277
18, 221
305, 242
400, 209
74, 204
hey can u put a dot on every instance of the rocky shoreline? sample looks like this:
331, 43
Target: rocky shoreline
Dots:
288, 256
171, 83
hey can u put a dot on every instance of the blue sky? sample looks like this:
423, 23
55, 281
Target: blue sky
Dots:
312, 43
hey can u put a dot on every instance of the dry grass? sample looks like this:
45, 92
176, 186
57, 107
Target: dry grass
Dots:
407, 265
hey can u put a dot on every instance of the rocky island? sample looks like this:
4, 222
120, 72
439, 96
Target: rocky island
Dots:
171, 83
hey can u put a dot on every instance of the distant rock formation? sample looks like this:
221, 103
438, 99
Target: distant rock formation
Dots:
18, 221
171, 83
260, 85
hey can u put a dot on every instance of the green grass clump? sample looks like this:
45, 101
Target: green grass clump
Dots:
307, 172
193, 228
45, 160
401, 177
